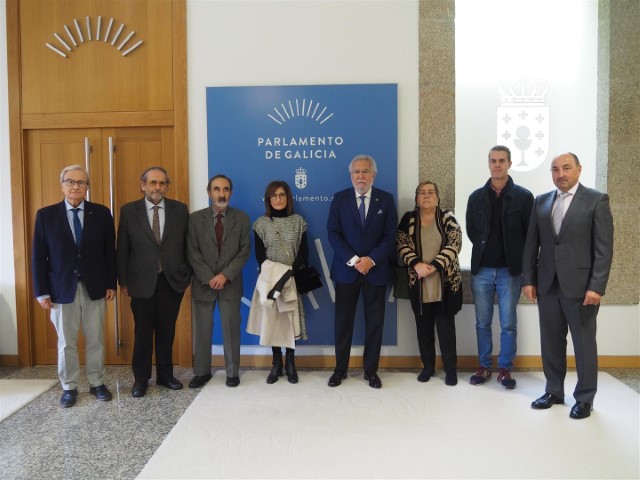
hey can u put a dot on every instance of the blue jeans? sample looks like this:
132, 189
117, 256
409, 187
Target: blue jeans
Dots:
484, 286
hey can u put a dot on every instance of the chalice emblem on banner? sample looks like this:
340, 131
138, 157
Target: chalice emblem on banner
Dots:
523, 122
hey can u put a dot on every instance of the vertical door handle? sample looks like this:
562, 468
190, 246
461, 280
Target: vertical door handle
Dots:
87, 161
116, 316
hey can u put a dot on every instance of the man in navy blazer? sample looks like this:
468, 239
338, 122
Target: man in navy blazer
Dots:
74, 271
566, 263
362, 229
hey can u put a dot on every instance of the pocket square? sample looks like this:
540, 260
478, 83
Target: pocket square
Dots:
380, 211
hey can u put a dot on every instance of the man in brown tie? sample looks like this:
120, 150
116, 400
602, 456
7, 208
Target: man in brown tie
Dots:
218, 248
153, 270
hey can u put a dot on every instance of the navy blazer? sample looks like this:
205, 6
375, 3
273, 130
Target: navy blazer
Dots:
376, 239
56, 261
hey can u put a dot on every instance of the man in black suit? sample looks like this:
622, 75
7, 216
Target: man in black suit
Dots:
153, 270
362, 231
567, 258
74, 271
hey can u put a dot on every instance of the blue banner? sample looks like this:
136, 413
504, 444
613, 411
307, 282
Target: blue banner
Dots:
306, 136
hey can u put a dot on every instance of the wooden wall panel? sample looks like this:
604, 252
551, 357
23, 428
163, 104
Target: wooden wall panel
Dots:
95, 77
93, 88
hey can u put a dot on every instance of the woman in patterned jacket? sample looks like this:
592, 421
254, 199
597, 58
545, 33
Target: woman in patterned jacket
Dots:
428, 242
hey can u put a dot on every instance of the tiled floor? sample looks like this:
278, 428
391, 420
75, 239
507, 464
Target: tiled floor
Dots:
107, 440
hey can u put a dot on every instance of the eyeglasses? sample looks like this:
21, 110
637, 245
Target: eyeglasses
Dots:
72, 183
156, 183
278, 195
360, 171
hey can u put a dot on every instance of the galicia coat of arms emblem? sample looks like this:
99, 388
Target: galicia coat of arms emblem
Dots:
523, 122
301, 178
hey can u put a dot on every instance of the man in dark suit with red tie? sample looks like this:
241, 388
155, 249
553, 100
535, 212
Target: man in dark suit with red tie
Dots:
218, 247
566, 263
74, 271
362, 231
153, 270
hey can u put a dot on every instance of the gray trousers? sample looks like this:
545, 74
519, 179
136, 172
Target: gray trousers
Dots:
68, 318
558, 315
202, 329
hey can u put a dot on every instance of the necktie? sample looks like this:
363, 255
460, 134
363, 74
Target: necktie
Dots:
361, 209
77, 226
558, 211
156, 232
155, 227
219, 229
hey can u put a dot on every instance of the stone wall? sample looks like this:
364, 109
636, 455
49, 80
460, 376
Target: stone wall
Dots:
617, 156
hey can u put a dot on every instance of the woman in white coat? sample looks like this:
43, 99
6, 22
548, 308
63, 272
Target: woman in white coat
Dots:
280, 236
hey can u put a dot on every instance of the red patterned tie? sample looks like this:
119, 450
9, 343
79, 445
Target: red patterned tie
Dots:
219, 229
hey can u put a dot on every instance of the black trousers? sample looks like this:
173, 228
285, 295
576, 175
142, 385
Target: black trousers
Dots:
347, 295
156, 314
434, 316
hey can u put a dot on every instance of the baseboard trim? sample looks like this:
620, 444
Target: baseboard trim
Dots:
464, 362
9, 361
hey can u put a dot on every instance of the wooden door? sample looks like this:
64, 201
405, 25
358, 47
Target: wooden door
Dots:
77, 67
127, 153
116, 157
47, 153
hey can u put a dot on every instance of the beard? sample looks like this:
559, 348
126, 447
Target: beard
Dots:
220, 203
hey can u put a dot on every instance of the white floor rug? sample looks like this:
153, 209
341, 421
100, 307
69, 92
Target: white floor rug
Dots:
15, 394
405, 430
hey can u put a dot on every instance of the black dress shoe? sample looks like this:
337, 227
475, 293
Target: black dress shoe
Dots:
374, 380
451, 379
546, 401
171, 382
199, 380
581, 410
233, 381
101, 392
139, 389
69, 398
336, 379
425, 375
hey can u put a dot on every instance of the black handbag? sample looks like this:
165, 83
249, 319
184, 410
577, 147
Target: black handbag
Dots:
401, 283
307, 279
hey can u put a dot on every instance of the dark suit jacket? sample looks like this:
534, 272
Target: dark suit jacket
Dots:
580, 255
138, 252
56, 259
204, 257
376, 239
